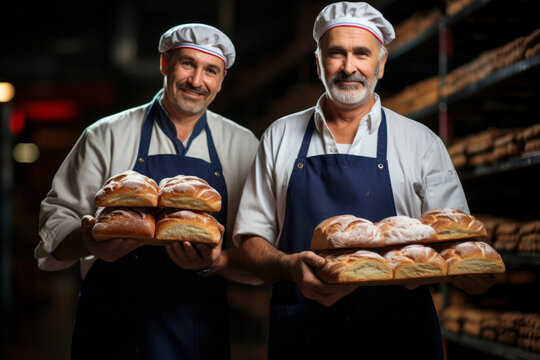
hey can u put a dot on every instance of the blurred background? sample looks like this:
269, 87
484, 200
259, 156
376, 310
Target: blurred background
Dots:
66, 64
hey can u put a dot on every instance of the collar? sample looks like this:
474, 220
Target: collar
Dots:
372, 119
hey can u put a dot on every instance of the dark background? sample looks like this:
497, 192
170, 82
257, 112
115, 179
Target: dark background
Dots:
74, 62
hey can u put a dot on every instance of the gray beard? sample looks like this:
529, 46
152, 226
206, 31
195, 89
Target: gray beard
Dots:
350, 95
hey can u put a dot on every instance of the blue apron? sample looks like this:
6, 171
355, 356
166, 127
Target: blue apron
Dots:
144, 306
377, 322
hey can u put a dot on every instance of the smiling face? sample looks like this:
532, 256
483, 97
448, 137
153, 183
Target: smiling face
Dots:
192, 80
349, 62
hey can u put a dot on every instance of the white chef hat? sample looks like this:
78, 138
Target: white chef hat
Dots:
354, 14
200, 37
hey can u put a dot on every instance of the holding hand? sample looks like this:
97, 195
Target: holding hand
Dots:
301, 268
192, 256
108, 250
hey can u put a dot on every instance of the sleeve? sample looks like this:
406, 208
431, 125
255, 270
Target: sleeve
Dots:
257, 211
72, 196
441, 186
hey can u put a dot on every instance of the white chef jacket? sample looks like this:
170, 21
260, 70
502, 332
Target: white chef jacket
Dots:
421, 172
110, 146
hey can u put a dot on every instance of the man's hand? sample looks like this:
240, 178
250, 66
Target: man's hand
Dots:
474, 284
302, 266
109, 250
195, 256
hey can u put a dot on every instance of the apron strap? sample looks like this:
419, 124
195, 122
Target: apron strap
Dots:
302, 154
382, 138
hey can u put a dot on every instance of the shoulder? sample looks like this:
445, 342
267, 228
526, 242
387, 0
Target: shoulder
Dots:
409, 129
225, 127
288, 127
124, 121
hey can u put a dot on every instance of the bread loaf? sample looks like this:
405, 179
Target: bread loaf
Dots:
128, 189
453, 224
122, 222
403, 230
343, 266
190, 193
185, 225
345, 231
415, 261
472, 257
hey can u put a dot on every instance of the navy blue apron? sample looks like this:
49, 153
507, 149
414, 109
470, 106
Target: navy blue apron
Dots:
144, 306
377, 322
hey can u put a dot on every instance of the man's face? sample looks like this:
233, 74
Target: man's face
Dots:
349, 65
192, 80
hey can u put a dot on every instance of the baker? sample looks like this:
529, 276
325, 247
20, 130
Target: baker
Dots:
345, 155
139, 301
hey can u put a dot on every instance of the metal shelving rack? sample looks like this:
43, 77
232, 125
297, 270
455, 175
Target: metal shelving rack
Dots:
506, 79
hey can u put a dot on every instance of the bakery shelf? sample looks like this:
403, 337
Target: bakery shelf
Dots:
463, 13
521, 258
497, 77
514, 163
490, 347
413, 43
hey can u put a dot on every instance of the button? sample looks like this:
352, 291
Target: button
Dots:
141, 160
217, 173
333, 148
299, 165
380, 166
136, 257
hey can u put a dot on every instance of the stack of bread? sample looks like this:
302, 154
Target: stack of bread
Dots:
399, 249
131, 205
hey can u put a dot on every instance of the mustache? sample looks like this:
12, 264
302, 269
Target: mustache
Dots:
341, 76
187, 86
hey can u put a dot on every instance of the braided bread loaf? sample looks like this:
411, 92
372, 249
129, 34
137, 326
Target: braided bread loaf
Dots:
415, 261
345, 231
453, 224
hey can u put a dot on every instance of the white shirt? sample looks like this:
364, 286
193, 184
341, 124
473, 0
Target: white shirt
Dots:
110, 146
421, 172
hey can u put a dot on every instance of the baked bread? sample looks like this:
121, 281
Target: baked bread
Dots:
415, 261
472, 257
344, 266
128, 189
185, 225
122, 222
345, 231
453, 224
398, 230
190, 193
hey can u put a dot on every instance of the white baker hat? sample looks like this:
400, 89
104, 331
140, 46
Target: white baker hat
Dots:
200, 37
354, 14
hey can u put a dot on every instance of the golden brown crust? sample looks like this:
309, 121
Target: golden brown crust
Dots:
185, 225
122, 222
415, 261
345, 231
190, 193
453, 224
344, 266
472, 257
129, 188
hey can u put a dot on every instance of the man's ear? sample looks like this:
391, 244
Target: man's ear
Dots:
318, 65
383, 63
162, 64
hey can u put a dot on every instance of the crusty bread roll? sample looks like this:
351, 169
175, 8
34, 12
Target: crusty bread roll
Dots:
128, 189
453, 224
472, 257
344, 266
122, 222
398, 230
185, 225
190, 193
345, 231
415, 261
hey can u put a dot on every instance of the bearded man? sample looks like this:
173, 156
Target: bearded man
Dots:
346, 155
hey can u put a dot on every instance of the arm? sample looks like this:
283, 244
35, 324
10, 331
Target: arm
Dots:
80, 243
271, 265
